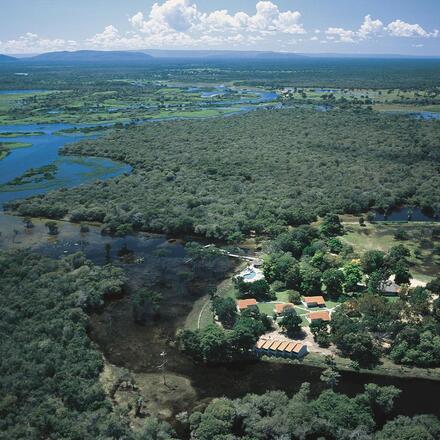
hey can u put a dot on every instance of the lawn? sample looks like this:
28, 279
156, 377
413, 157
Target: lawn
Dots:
267, 308
283, 296
422, 242
405, 108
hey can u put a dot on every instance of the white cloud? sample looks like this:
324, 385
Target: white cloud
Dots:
175, 15
33, 43
343, 35
399, 28
180, 23
369, 27
181, 16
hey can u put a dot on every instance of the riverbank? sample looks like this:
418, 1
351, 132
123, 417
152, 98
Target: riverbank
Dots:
7, 147
386, 368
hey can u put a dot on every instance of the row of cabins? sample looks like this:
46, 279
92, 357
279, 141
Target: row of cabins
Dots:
285, 349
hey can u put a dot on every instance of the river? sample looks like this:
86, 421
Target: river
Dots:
45, 141
405, 214
45, 144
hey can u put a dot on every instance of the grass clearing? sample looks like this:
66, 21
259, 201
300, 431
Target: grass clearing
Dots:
422, 242
405, 108
283, 296
267, 308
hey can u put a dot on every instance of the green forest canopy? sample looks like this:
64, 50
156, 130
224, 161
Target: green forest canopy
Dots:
49, 368
222, 178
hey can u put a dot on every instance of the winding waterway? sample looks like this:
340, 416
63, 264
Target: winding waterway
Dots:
45, 144
46, 140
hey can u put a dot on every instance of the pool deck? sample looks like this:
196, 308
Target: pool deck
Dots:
251, 270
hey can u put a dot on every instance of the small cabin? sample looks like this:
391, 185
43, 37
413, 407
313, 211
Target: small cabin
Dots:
314, 301
243, 304
319, 316
390, 288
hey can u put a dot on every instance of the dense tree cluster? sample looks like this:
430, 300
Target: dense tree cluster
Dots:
49, 367
332, 416
263, 171
214, 344
302, 259
259, 289
410, 326
297, 71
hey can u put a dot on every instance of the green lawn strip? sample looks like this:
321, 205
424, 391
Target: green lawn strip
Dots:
283, 296
267, 308
330, 304
201, 313
386, 368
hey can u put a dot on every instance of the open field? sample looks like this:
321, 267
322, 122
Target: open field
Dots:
406, 108
126, 101
423, 242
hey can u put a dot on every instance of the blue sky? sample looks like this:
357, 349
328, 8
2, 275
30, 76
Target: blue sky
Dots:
344, 26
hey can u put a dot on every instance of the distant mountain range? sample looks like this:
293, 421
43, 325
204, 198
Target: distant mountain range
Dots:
145, 56
220, 54
6, 58
88, 56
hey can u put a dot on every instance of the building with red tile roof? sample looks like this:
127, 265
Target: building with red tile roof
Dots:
243, 304
316, 316
275, 345
313, 301
279, 348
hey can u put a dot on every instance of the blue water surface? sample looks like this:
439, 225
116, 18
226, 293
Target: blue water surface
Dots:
404, 214
21, 92
73, 171
44, 151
